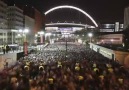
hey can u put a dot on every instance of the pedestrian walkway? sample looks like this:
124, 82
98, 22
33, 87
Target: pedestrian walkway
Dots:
9, 58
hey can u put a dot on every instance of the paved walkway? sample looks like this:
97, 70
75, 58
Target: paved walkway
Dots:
8, 57
1, 53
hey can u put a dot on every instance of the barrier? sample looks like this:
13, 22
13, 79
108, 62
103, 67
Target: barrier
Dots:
104, 51
19, 55
7, 58
10, 59
120, 56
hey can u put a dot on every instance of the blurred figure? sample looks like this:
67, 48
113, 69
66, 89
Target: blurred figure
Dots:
7, 49
3, 48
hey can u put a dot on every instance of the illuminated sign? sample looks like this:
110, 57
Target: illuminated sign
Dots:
66, 30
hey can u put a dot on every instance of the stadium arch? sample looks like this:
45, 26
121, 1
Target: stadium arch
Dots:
75, 8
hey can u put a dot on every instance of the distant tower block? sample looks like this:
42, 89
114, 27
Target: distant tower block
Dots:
126, 17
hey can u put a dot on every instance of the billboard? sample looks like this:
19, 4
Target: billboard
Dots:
66, 30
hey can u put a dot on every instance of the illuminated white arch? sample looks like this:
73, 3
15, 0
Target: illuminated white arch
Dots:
72, 7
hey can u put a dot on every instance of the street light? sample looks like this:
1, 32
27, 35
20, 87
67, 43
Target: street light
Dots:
26, 31
112, 40
20, 31
36, 35
48, 34
19, 35
90, 35
54, 35
41, 33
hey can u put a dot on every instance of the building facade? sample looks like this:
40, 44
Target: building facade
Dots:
29, 24
15, 22
15, 18
3, 15
3, 23
3, 36
38, 21
111, 39
126, 17
113, 27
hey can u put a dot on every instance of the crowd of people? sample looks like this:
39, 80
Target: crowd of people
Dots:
80, 68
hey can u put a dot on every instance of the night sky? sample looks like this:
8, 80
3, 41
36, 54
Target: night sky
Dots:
100, 10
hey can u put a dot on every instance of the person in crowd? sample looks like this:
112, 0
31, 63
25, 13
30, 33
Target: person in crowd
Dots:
4, 49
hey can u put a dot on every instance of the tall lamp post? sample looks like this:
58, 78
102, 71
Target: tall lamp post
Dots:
90, 35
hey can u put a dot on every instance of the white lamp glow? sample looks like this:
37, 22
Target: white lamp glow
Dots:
26, 30
90, 34
41, 33
20, 30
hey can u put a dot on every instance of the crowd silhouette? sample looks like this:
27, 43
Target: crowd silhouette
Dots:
88, 71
